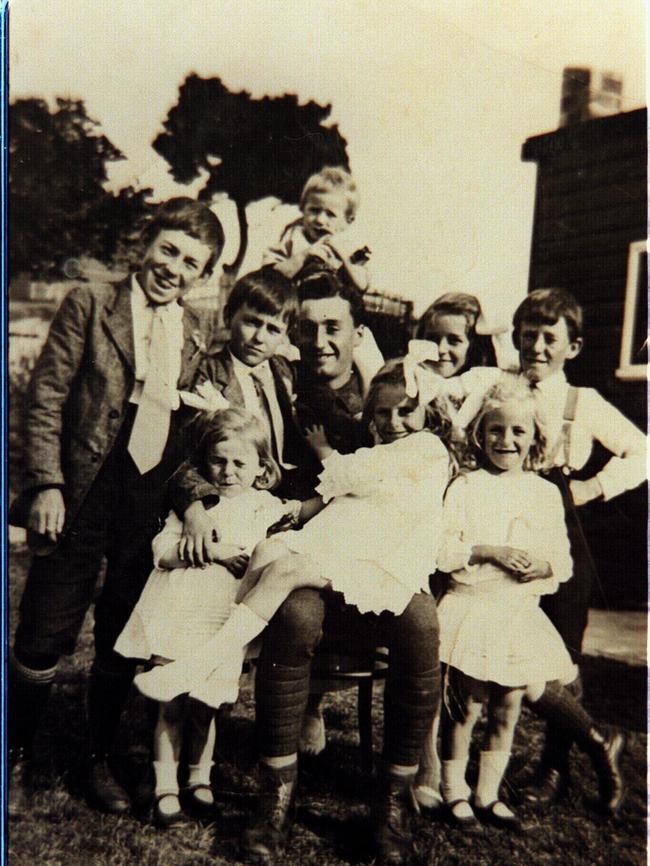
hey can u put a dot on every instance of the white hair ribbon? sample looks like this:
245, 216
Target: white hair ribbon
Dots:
206, 398
421, 382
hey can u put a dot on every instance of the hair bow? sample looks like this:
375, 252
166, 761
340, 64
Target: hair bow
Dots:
421, 382
206, 398
488, 329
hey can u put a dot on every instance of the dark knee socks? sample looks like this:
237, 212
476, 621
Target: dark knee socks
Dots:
29, 685
410, 702
281, 694
566, 715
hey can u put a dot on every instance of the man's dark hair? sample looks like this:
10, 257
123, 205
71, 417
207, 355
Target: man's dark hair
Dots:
315, 283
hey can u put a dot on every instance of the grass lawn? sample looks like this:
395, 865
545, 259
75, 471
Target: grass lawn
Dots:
331, 826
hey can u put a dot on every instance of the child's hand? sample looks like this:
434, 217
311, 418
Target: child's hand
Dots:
511, 558
537, 570
231, 556
584, 491
326, 251
317, 440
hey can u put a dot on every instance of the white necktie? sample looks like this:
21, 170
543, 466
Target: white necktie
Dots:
151, 425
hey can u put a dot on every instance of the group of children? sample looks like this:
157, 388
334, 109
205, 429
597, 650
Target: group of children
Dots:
456, 466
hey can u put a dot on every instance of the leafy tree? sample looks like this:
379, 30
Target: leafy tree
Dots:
58, 206
251, 148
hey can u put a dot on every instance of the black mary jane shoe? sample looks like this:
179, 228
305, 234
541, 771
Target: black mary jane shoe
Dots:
167, 820
466, 823
197, 806
488, 815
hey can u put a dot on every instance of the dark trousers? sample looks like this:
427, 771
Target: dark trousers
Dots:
568, 608
412, 685
117, 520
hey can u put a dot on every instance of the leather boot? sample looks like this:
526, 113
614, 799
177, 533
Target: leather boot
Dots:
107, 694
606, 754
105, 792
267, 833
26, 704
390, 819
19, 787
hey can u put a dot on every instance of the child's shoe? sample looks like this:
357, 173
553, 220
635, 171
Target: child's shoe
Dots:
167, 812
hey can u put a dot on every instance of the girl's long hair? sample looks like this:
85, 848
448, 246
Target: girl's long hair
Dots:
215, 427
481, 349
437, 418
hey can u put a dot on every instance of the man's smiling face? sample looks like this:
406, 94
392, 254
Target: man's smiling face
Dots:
327, 337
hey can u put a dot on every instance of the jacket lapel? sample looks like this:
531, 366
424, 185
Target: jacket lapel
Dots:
118, 321
224, 379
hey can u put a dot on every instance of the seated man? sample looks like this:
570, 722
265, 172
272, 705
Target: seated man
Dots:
329, 385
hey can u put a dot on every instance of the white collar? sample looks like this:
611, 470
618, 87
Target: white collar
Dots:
262, 370
139, 299
554, 384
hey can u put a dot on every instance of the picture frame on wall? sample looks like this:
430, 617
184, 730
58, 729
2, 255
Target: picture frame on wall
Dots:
633, 362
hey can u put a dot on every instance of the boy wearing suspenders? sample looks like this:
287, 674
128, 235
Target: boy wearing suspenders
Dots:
547, 331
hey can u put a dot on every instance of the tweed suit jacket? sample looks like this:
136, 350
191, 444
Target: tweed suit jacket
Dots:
188, 484
80, 388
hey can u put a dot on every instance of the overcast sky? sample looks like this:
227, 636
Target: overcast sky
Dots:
435, 99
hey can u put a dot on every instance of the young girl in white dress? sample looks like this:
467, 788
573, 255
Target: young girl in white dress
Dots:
375, 541
182, 607
505, 544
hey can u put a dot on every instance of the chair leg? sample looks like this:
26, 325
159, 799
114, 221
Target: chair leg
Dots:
365, 724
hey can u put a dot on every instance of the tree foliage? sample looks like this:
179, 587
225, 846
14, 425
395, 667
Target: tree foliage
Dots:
59, 208
250, 148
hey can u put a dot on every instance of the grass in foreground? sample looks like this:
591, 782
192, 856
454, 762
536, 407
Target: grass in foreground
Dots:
331, 827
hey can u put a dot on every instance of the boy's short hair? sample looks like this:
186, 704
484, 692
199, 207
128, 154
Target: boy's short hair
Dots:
329, 179
315, 283
265, 290
547, 307
192, 217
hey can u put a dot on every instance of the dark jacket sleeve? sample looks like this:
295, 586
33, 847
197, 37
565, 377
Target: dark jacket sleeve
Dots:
58, 365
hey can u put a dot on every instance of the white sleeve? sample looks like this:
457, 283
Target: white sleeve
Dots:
554, 541
474, 386
455, 550
167, 539
628, 445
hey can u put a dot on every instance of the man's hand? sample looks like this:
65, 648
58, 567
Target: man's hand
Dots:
198, 533
47, 513
584, 491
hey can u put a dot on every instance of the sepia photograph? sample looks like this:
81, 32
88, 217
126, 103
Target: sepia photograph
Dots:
326, 368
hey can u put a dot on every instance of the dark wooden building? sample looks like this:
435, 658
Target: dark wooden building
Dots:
590, 223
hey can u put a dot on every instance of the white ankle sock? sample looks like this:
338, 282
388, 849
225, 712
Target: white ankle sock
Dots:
491, 769
166, 777
199, 774
453, 784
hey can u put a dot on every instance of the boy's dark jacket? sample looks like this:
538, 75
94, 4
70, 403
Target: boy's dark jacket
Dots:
79, 391
188, 485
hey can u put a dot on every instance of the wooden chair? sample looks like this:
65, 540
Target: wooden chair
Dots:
335, 672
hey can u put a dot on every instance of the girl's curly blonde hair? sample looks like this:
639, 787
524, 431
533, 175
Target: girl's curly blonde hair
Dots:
510, 388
